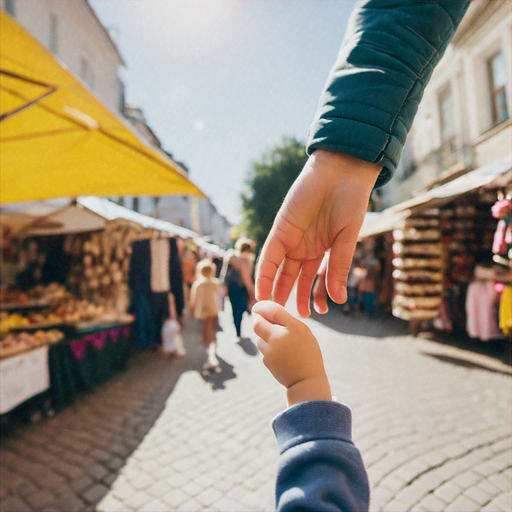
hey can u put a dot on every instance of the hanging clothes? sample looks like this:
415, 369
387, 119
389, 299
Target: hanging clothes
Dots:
160, 268
155, 269
481, 311
506, 310
499, 244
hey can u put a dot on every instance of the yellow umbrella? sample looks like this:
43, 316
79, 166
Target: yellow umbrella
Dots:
58, 140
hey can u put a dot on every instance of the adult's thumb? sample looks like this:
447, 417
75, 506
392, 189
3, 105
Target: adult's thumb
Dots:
338, 268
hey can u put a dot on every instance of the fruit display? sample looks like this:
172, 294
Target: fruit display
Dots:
16, 343
40, 295
8, 322
69, 312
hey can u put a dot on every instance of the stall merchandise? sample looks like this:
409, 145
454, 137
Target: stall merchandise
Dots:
417, 267
436, 251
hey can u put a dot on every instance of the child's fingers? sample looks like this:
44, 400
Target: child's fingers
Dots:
273, 313
262, 345
262, 327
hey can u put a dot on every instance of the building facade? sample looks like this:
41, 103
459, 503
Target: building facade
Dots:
72, 32
464, 120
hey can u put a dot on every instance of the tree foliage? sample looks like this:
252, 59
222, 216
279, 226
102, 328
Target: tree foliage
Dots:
268, 182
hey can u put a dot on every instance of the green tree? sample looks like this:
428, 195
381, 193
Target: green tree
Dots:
267, 184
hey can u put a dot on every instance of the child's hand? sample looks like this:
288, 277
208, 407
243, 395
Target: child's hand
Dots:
291, 353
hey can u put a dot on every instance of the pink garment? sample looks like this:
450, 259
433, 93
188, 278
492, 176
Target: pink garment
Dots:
508, 235
481, 311
501, 209
499, 246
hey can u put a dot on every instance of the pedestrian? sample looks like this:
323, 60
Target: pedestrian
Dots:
368, 284
204, 305
237, 279
189, 261
320, 469
365, 112
353, 296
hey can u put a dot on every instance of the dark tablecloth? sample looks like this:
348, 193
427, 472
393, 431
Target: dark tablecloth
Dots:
82, 362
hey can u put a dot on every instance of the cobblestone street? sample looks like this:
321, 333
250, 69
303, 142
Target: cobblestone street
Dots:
432, 422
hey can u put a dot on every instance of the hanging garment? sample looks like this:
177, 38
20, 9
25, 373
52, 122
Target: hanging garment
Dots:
499, 245
160, 269
481, 317
506, 310
153, 307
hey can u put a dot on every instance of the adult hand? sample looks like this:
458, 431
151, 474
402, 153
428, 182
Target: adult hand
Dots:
324, 209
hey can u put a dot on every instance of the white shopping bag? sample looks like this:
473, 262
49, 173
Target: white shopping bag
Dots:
172, 342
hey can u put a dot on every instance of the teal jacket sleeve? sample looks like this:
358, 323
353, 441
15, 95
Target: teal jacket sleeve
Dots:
374, 89
320, 469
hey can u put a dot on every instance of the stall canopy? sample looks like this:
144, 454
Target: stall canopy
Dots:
381, 222
110, 211
496, 174
84, 215
58, 140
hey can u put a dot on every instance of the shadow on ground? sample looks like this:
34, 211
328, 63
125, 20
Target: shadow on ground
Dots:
217, 380
465, 363
384, 325
381, 325
68, 462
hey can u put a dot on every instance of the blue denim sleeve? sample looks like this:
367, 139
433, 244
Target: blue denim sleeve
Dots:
319, 469
385, 62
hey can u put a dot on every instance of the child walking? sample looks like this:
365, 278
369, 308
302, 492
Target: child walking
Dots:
204, 305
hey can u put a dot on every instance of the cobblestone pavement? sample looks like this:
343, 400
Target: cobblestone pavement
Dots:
432, 421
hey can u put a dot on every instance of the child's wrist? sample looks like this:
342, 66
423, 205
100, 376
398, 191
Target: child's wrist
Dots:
315, 388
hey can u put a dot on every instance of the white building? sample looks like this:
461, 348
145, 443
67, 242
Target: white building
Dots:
463, 121
72, 32
75, 35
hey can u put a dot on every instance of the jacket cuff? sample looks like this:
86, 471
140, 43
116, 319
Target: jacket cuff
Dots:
364, 141
311, 421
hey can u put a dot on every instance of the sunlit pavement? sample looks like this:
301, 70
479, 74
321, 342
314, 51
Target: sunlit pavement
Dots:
432, 421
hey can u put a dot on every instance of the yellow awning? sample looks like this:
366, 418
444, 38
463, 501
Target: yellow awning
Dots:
58, 140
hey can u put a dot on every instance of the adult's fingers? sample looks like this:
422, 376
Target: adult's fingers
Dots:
270, 259
340, 260
273, 313
285, 280
305, 283
320, 294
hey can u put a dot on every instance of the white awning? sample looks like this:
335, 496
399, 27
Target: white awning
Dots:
487, 175
86, 215
497, 174
110, 211
376, 223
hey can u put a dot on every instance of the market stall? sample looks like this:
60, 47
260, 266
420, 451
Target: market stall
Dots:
452, 259
67, 299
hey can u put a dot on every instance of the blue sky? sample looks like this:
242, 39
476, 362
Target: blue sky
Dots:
221, 82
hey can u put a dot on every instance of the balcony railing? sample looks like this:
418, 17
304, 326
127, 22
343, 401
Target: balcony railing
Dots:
447, 156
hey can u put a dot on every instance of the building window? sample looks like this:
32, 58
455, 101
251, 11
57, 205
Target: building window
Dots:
497, 88
10, 7
121, 98
446, 115
86, 72
54, 34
